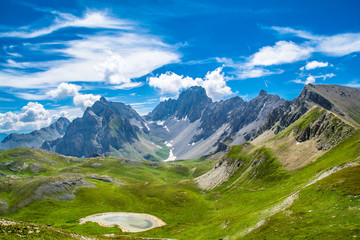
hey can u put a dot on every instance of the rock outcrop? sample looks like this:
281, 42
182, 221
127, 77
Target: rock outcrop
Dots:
327, 130
326, 96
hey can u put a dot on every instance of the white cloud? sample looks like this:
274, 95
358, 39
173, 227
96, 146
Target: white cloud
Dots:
310, 80
64, 90
72, 90
64, 20
214, 83
118, 70
85, 100
315, 64
339, 45
245, 70
336, 45
245, 73
325, 76
353, 84
172, 83
299, 33
115, 57
282, 52
32, 116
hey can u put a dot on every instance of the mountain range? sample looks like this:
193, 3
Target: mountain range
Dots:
270, 169
184, 128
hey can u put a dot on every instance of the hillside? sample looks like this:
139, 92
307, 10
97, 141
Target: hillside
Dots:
249, 193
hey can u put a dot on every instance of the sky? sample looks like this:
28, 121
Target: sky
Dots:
59, 57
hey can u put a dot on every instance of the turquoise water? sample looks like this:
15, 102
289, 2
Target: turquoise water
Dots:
131, 222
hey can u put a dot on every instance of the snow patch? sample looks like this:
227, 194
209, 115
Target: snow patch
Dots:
160, 123
166, 128
147, 126
171, 157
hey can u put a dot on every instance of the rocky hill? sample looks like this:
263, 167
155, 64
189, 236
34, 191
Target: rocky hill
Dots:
107, 128
36, 138
344, 101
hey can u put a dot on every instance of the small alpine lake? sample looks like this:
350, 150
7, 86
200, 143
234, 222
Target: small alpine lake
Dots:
126, 221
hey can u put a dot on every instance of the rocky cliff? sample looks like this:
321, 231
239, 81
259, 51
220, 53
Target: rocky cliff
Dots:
104, 128
326, 96
193, 125
36, 138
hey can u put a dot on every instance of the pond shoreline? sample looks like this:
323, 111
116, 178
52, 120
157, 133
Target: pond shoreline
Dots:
158, 221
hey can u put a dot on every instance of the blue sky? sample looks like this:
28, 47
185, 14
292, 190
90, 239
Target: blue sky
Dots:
58, 57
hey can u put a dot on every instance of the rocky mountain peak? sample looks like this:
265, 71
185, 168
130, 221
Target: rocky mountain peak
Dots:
263, 93
194, 94
189, 105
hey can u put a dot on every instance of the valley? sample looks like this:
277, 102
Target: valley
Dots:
296, 177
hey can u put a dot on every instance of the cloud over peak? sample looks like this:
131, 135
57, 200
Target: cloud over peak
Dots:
72, 90
214, 83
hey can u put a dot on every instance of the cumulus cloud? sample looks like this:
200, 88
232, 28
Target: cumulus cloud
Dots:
85, 100
172, 83
32, 116
72, 90
315, 64
118, 70
64, 90
214, 83
282, 52
310, 80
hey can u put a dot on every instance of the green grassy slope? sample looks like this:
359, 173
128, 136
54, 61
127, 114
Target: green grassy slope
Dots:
261, 200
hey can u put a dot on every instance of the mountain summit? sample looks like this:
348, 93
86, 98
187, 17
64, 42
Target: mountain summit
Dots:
194, 125
107, 128
190, 104
184, 128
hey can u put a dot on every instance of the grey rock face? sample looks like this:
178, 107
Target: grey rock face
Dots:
330, 97
190, 104
327, 130
194, 125
37, 137
103, 126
